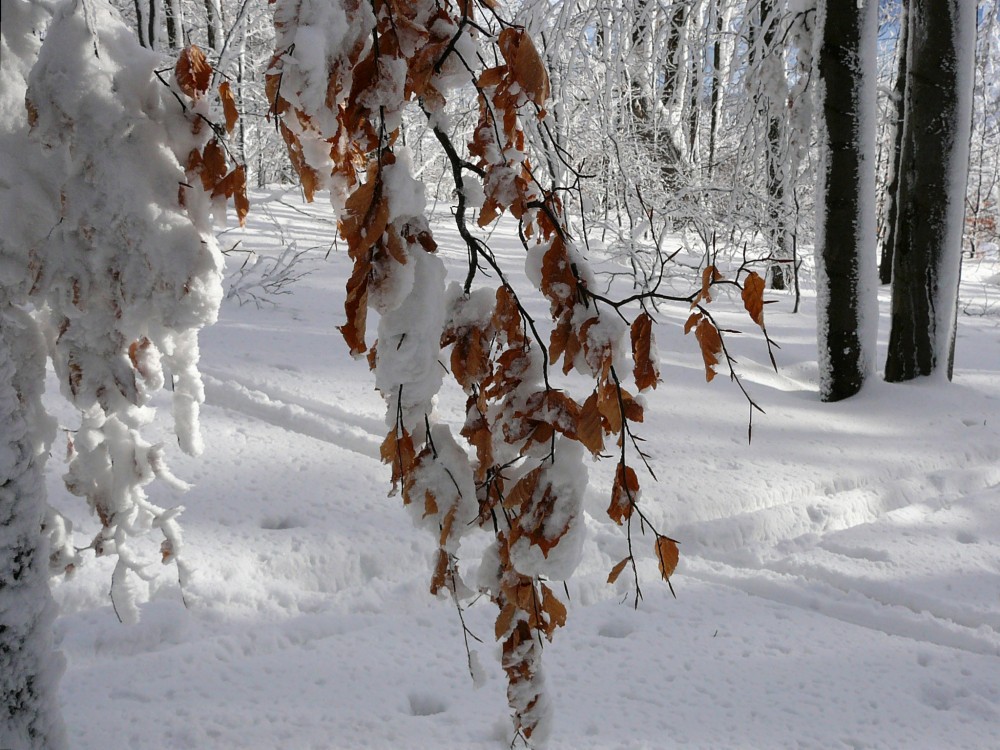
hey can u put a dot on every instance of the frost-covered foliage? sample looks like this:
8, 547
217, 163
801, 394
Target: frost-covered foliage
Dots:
130, 271
341, 80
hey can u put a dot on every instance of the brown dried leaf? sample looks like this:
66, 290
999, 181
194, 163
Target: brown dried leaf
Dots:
555, 610
558, 282
506, 316
590, 430
668, 556
560, 336
398, 451
491, 76
624, 493
440, 578
240, 200
505, 619
753, 297
708, 277
692, 321
610, 408
524, 63
213, 165
277, 104
646, 369
228, 105
366, 214
522, 493
192, 71
356, 307
711, 346
617, 570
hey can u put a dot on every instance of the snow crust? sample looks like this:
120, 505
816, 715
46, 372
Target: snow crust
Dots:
837, 586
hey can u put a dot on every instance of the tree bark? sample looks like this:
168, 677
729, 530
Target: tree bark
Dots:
846, 221
933, 175
892, 187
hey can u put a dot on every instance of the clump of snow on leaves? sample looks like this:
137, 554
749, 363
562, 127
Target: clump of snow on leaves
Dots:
129, 274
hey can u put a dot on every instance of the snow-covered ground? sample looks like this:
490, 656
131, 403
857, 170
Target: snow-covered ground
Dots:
839, 582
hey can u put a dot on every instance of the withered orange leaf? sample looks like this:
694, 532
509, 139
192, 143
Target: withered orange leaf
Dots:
277, 104
559, 337
228, 105
558, 282
753, 297
213, 165
430, 505
525, 64
646, 371
491, 76
522, 492
708, 277
366, 214
589, 429
505, 619
555, 610
447, 523
507, 317
192, 71
668, 556
240, 200
356, 307
624, 494
440, 578
398, 450
711, 346
617, 570
610, 407
693, 320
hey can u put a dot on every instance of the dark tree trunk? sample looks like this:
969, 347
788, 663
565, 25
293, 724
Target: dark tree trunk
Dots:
892, 186
716, 84
932, 177
172, 17
213, 24
846, 185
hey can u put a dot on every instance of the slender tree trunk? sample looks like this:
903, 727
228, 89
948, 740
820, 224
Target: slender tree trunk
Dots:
892, 185
932, 183
716, 85
845, 232
152, 33
173, 17
213, 23
140, 26
768, 65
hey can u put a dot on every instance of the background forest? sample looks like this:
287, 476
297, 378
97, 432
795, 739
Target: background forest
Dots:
524, 219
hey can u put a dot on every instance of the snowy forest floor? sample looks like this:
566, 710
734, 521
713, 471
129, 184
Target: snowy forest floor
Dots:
839, 581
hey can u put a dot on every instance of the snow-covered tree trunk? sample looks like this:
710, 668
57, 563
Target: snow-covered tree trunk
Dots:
845, 221
29, 667
932, 185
